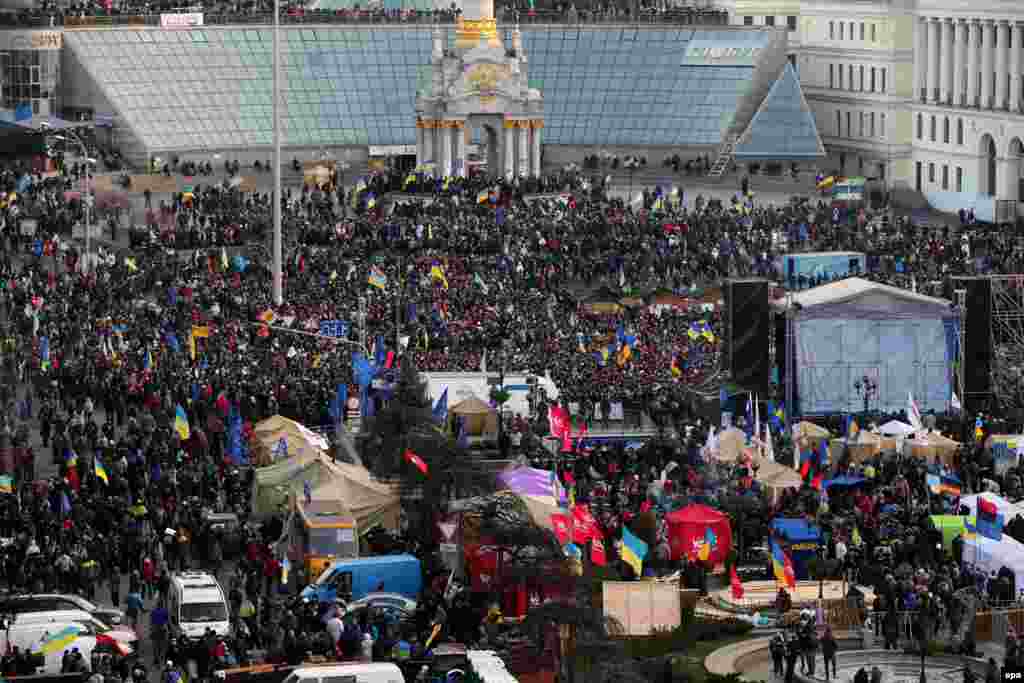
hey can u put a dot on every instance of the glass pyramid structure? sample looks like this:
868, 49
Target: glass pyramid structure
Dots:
783, 127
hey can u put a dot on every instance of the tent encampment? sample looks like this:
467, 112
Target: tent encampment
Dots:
990, 556
932, 445
478, 417
267, 444
896, 428
775, 478
731, 444
1004, 507
369, 501
695, 525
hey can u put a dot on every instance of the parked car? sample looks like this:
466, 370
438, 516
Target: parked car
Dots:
384, 601
52, 602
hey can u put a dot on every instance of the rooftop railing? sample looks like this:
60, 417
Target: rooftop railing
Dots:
680, 17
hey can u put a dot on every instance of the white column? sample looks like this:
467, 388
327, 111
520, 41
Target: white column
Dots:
1017, 43
1002, 64
973, 61
508, 151
946, 46
1007, 171
959, 55
523, 158
535, 151
444, 138
987, 66
420, 156
460, 150
933, 58
428, 142
920, 59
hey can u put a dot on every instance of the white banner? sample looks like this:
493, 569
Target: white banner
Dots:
188, 20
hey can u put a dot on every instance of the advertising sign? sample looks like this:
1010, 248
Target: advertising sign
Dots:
188, 20
718, 53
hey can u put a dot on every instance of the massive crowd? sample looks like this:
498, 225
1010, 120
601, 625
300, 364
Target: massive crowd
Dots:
614, 302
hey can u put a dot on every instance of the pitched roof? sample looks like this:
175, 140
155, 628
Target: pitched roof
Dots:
783, 127
851, 288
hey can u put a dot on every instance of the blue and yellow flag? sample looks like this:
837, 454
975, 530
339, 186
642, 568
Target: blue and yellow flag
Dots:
101, 471
634, 551
181, 423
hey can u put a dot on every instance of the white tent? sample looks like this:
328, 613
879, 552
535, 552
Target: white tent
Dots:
1004, 507
991, 556
896, 428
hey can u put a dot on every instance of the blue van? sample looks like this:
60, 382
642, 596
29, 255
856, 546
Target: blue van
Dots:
356, 578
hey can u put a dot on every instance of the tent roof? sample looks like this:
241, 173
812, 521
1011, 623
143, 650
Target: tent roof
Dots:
896, 428
471, 406
796, 530
695, 514
783, 127
852, 288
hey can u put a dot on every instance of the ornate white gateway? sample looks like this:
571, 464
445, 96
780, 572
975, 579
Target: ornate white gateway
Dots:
480, 83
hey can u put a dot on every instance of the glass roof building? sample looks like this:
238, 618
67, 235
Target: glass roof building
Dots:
209, 88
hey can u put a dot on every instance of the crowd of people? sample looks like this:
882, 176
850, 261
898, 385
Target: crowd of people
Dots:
614, 301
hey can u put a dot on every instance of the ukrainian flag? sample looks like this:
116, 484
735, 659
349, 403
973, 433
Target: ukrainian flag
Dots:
437, 273
60, 640
483, 197
782, 566
101, 471
181, 422
6, 484
71, 459
633, 551
147, 361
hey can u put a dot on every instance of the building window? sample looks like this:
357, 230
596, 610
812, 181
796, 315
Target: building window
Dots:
831, 75
849, 125
959, 131
862, 79
862, 31
841, 72
959, 179
883, 79
839, 124
945, 130
861, 127
792, 60
881, 127
791, 23
850, 74
933, 129
831, 30
920, 127
871, 124
748, 21
945, 176
842, 30
769, 21
872, 79
874, 34
931, 173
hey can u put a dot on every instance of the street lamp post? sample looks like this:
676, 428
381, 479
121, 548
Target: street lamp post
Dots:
277, 286
89, 195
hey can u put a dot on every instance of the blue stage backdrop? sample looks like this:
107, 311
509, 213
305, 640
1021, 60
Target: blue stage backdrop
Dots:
852, 328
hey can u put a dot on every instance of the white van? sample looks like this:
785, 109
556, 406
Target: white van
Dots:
47, 639
196, 603
378, 672
91, 626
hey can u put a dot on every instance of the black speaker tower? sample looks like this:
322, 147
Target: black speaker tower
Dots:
746, 309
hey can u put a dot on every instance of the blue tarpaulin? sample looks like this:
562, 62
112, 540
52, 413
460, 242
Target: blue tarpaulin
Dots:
845, 481
796, 530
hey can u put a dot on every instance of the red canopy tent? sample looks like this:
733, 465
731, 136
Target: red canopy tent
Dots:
696, 525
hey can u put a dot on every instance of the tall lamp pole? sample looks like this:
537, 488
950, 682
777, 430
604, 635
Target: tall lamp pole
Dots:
89, 196
278, 280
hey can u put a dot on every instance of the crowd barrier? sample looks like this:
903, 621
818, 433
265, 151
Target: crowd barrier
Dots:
361, 17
